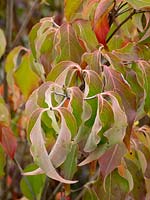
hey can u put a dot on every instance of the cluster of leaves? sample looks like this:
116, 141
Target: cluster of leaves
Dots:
90, 85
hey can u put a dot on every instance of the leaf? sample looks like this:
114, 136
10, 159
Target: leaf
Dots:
139, 189
2, 42
76, 104
116, 82
39, 151
111, 159
85, 34
71, 8
2, 162
25, 78
67, 130
69, 167
139, 4
8, 140
4, 113
32, 186
101, 22
69, 47
116, 187
89, 194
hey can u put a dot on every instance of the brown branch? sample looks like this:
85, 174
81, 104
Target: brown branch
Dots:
25, 23
120, 25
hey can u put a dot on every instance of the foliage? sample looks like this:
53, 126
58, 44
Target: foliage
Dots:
85, 84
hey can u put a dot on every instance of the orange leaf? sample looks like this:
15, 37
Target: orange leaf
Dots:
101, 21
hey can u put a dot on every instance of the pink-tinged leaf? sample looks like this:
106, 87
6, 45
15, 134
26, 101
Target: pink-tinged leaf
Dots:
85, 34
8, 141
68, 129
60, 71
116, 82
68, 45
93, 83
40, 153
101, 21
111, 159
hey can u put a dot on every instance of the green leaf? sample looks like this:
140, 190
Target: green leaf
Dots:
85, 33
25, 78
2, 42
69, 167
69, 46
89, 194
139, 4
2, 161
71, 7
116, 187
32, 186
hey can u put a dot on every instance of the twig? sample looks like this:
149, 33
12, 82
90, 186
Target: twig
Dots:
26, 21
55, 191
121, 24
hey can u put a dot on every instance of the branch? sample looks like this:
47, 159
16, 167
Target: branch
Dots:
120, 25
26, 21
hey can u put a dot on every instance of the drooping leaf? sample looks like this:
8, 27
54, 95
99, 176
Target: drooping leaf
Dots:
39, 151
116, 82
2, 42
8, 140
32, 186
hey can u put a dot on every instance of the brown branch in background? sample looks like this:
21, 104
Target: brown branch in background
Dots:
25, 23
120, 25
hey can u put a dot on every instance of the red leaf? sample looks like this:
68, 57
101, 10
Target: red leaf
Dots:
8, 140
101, 21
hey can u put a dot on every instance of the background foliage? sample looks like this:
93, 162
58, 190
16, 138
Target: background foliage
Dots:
76, 98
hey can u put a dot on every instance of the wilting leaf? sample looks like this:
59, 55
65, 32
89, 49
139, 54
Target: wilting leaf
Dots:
71, 8
25, 78
69, 47
39, 151
8, 140
2, 42
101, 21
139, 4
32, 186
116, 82
70, 165
68, 128
111, 159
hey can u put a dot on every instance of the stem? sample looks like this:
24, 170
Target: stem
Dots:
120, 25
26, 21
55, 191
